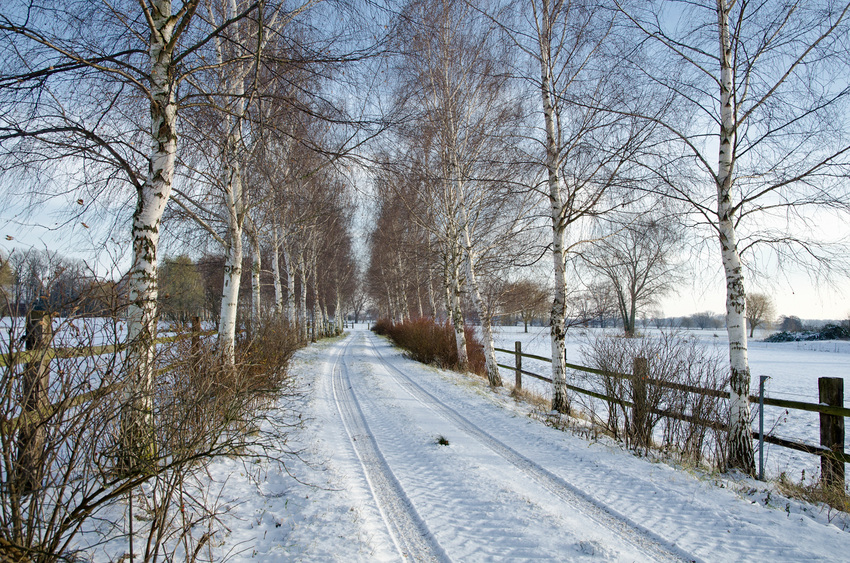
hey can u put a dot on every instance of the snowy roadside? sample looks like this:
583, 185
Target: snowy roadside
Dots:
793, 369
323, 510
296, 512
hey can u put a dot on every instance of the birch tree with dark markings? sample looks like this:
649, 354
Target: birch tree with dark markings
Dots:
570, 56
758, 147
59, 48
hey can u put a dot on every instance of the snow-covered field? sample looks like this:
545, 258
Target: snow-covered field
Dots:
378, 486
76, 331
793, 368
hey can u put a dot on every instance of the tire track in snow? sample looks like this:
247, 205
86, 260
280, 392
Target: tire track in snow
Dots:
642, 539
409, 532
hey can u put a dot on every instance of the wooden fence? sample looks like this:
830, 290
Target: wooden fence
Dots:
831, 409
37, 357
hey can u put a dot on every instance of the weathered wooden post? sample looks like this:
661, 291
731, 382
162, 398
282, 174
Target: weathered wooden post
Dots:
762, 379
640, 430
196, 336
831, 392
518, 363
35, 382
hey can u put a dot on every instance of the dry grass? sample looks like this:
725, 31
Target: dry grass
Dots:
636, 413
200, 408
814, 491
534, 399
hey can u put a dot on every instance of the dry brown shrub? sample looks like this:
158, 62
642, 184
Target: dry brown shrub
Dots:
430, 342
202, 408
637, 412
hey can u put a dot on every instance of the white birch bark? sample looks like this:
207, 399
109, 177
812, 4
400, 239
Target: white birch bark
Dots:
432, 299
137, 419
401, 288
289, 267
557, 326
421, 310
235, 196
458, 322
493, 376
256, 268
740, 453
447, 289
318, 324
234, 199
302, 303
390, 305
234, 202
232, 278
338, 311
278, 283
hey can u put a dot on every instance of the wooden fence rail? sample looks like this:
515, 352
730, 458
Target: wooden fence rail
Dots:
830, 408
31, 417
25, 356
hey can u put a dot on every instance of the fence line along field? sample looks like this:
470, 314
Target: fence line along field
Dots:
793, 369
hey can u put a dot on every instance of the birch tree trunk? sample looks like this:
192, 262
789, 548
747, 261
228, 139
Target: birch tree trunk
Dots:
390, 302
302, 309
278, 286
317, 310
741, 455
338, 318
137, 418
256, 268
232, 280
432, 300
234, 190
289, 267
447, 289
493, 376
557, 318
458, 321
401, 288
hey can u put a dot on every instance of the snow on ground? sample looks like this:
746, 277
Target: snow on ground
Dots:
380, 487
793, 368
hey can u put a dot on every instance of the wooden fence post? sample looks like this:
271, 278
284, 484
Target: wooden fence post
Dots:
35, 382
518, 371
640, 413
196, 336
831, 392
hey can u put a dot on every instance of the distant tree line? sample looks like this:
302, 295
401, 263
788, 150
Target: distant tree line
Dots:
47, 280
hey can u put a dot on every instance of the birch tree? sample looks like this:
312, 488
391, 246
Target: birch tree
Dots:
230, 129
157, 29
570, 54
758, 143
401, 259
452, 76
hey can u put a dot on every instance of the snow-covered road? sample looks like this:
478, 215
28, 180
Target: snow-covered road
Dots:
500, 486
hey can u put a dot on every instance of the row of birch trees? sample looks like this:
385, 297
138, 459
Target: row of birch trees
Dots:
725, 120
211, 126
509, 116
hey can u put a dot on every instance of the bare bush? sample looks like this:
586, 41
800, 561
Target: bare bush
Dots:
66, 495
430, 342
652, 385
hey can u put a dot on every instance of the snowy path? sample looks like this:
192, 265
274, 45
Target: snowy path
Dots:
505, 488
410, 534
573, 498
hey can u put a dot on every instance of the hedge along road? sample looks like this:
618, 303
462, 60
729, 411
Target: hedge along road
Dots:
506, 487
